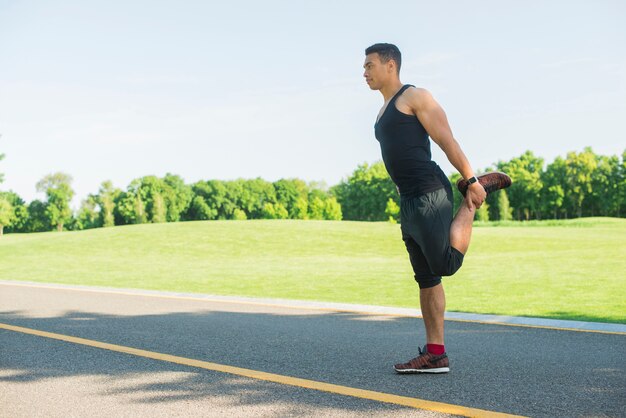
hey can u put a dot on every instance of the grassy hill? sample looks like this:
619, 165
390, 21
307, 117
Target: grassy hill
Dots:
569, 270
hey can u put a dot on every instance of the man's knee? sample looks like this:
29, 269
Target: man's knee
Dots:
449, 264
425, 282
446, 269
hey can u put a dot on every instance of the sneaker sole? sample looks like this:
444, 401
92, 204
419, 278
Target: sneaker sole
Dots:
414, 371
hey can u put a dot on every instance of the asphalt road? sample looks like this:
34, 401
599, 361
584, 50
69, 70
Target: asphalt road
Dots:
517, 370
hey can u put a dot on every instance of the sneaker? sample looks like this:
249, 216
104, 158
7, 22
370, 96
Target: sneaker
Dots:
425, 363
492, 181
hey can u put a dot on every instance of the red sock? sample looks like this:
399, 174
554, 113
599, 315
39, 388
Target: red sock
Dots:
435, 349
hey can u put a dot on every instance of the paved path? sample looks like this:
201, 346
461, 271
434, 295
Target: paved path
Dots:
510, 369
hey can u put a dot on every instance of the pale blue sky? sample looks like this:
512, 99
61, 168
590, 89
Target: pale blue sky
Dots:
117, 90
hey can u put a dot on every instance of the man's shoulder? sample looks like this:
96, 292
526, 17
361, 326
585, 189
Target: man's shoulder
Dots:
417, 97
418, 92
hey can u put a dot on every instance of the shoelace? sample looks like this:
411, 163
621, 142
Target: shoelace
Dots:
422, 353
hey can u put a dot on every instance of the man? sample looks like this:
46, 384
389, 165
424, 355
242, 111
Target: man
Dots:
436, 242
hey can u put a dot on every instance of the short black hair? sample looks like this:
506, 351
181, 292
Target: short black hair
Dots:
386, 52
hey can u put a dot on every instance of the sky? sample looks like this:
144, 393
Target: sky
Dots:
116, 90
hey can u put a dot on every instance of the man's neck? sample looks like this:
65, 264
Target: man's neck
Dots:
390, 90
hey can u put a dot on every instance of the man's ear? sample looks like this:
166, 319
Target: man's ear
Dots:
391, 66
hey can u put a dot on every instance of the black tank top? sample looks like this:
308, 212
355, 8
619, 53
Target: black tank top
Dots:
405, 149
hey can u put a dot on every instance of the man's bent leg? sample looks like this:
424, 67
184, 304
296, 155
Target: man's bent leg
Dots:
461, 228
433, 305
430, 227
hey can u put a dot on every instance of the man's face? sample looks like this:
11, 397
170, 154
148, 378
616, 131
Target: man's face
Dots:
376, 72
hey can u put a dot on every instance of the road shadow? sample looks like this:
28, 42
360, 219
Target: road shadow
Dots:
534, 372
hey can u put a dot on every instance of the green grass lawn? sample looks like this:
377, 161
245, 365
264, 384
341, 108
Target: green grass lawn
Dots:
569, 270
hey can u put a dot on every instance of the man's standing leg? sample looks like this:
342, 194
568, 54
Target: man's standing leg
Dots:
433, 305
433, 299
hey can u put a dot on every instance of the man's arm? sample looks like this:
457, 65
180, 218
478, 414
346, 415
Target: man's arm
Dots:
434, 120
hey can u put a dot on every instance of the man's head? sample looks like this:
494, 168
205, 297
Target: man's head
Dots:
382, 63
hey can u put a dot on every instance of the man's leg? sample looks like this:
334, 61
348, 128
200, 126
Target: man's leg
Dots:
434, 359
461, 228
433, 299
433, 305
426, 223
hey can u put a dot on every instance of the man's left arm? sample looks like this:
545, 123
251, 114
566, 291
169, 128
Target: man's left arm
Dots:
434, 120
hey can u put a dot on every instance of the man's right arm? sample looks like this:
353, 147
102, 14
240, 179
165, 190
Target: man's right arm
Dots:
434, 120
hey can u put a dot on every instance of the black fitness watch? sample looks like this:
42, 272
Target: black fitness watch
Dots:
472, 180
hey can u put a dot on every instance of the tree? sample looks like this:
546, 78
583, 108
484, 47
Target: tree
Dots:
88, 215
1, 158
392, 211
524, 194
1, 174
209, 202
274, 211
145, 190
457, 197
37, 220
322, 205
293, 195
159, 214
20, 212
605, 179
59, 193
301, 209
140, 210
505, 213
124, 208
177, 196
621, 208
578, 170
364, 195
7, 214
482, 213
253, 194
157, 200
234, 198
316, 208
129, 207
199, 210
239, 215
553, 192
316, 203
107, 195
332, 209
280, 212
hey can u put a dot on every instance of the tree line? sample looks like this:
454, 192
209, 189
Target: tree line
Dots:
581, 184
151, 199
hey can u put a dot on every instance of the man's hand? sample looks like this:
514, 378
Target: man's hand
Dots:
475, 195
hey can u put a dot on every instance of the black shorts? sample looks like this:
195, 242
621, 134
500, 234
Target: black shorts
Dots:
425, 223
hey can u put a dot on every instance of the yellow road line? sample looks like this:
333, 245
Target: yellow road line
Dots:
270, 377
308, 308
